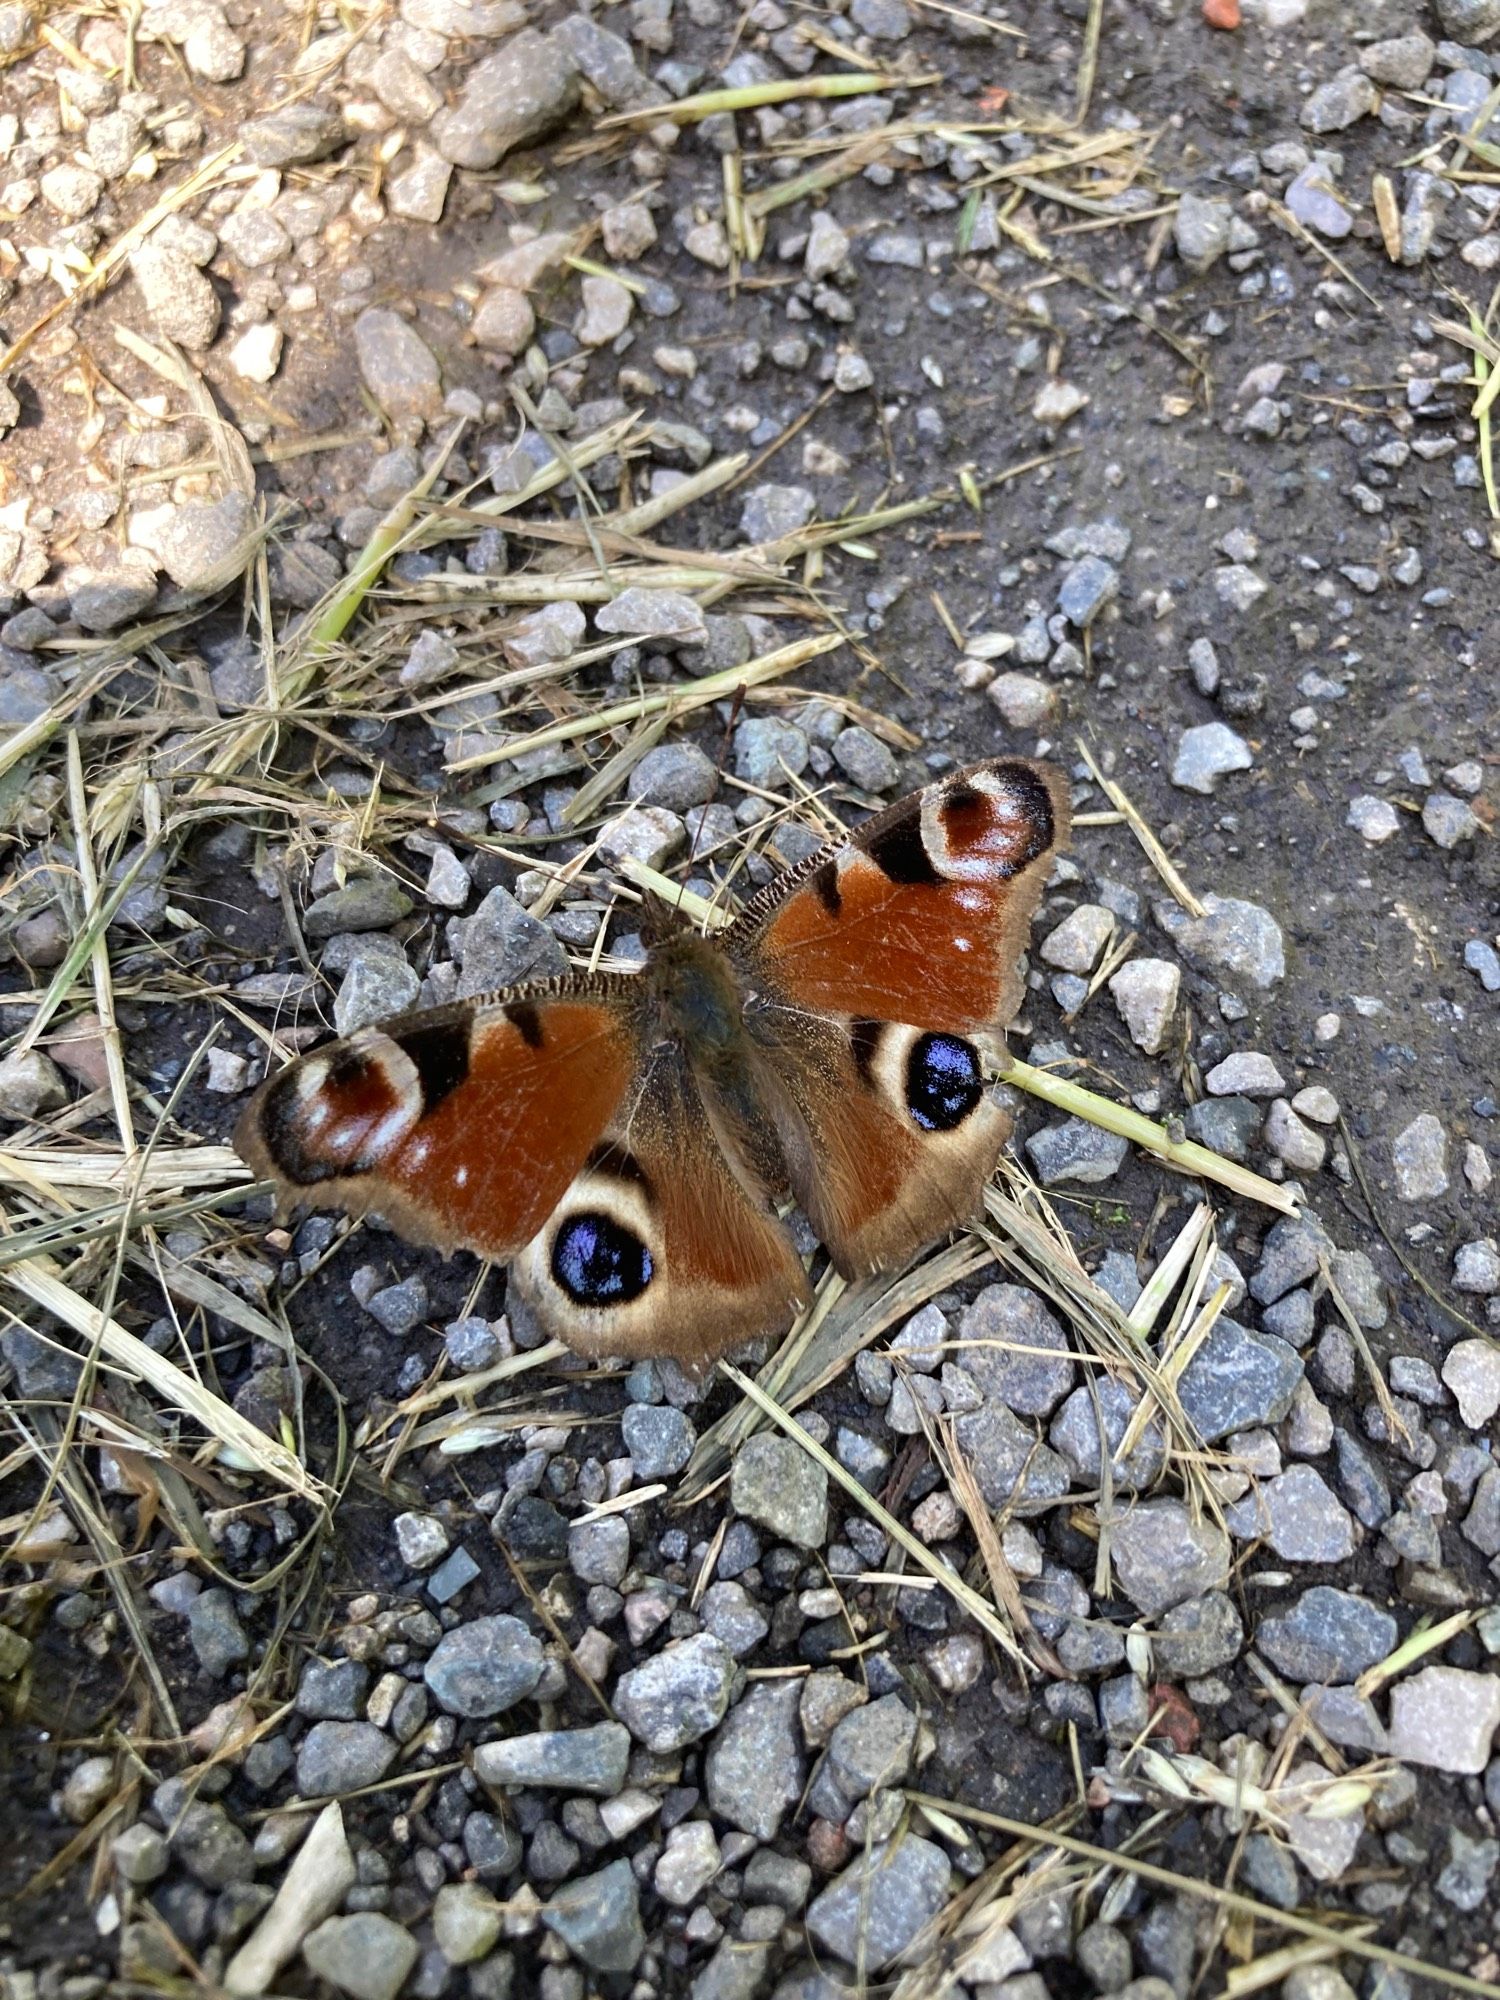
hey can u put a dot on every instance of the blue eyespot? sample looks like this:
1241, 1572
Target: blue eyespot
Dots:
943, 1082
598, 1263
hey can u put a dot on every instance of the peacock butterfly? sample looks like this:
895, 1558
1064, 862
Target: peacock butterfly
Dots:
624, 1140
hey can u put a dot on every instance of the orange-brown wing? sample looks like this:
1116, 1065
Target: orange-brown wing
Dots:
659, 1246
921, 915
463, 1125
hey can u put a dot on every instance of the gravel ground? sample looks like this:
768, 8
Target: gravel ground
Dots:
1165, 323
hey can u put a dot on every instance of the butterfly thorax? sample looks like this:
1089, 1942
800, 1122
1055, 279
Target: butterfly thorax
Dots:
697, 998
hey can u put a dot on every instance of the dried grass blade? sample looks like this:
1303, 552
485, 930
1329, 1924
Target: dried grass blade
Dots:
968, 1599
1183, 1154
1233, 1900
784, 90
673, 701
1156, 854
218, 1419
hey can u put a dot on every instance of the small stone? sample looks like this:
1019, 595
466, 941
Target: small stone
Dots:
504, 945
1445, 1718
336, 1758
399, 1309
294, 134
1327, 1635
1078, 941
378, 984
1198, 1637
777, 1485
599, 1551
1238, 1379
771, 513
1015, 1350
366, 1956
1317, 204
654, 614
419, 192
1162, 1556
827, 246
181, 301
1075, 1436
590, 1760
1298, 1516
397, 366
421, 1539
70, 190
255, 355
598, 1917
1056, 402
1404, 61
1483, 961
1465, 1878
629, 231
648, 834
688, 1863
660, 1439
1419, 1155
218, 1638
679, 1695
881, 20
1085, 590
1339, 103
1247, 1073
522, 92
1448, 820
1206, 754
1076, 1151
872, 1912
503, 321
484, 1667
675, 775
607, 306
466, 1922
754, 1772
1023, 701
1471, 1369
1201, 229
1145, 992
1232, 936
1289, 1139
1469, 21
31, 1086
1374, 820
865, 760
1238, 586
852, 373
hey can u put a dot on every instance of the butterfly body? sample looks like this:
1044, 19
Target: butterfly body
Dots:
625, 1140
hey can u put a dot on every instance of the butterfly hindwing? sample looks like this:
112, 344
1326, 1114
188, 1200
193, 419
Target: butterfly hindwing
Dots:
659, 1246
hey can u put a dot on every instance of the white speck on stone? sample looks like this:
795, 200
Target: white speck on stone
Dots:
1145, 991
1326, 1028
1445, 1718
1373, 819
1079, 939
1420, 1158
256, 355
1208, 753
1246, 1073
1023, 701
1471, 1369
851, 373
1056, 402
1238, 586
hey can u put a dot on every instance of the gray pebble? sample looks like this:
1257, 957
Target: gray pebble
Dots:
336, 1758
1327, 1635
755, 1768
484, 1667
677, 1696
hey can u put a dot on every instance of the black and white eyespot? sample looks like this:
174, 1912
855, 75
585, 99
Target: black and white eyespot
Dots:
599, 1262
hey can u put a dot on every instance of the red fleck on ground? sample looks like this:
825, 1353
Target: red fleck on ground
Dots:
1222, 14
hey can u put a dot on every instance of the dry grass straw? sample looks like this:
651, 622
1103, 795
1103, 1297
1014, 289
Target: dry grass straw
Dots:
1352, 1940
